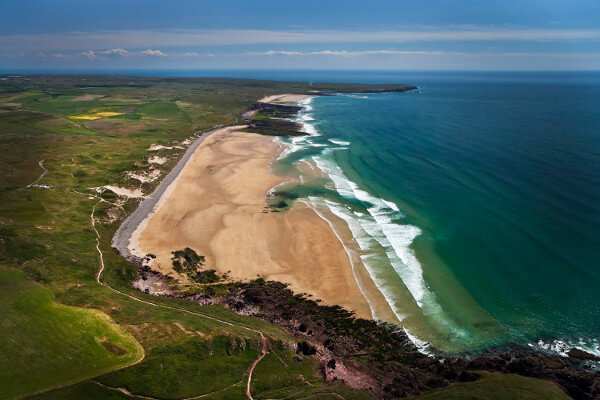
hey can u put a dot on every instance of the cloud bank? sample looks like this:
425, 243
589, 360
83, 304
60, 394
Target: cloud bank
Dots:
144, 39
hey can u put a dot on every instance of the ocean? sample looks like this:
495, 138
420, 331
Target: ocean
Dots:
474, 202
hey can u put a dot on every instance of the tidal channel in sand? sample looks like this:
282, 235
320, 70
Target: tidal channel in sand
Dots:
217, 207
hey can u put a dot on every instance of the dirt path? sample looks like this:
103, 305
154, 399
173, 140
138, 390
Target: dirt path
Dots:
139, 396
264, 342
262, 355
41, 164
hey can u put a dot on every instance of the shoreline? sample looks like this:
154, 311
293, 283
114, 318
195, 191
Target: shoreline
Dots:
353, 286
217, 206
270, 301
127, 236
122, 237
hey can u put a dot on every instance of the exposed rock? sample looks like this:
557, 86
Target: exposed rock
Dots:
582, 355
306, 349
379, 357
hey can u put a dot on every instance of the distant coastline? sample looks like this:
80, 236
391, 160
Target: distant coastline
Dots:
220, 138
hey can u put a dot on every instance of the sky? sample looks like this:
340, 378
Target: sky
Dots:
306, 34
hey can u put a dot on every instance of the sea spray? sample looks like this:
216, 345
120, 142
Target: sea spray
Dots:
377, 230
502, 249
312, 204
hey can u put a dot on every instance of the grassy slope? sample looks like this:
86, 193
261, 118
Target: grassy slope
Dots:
495, 386
47, 233
44, 344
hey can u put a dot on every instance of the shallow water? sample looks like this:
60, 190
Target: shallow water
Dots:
474, 203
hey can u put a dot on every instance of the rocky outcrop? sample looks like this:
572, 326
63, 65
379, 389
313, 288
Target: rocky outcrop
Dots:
380, 358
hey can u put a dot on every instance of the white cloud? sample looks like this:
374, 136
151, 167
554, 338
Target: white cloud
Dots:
76, 41
346, 53
285, 53
191, 54
89, 54
150, 52
116, 52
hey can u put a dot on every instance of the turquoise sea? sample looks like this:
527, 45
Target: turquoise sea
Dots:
474, 202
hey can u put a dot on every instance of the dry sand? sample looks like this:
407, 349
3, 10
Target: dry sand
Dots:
121, 191
157, 160
217, 207
284, 98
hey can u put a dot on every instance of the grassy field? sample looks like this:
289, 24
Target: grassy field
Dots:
495, 386
59, 325
45, 344
46, 233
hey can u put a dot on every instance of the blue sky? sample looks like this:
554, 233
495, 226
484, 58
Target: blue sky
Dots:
399, 35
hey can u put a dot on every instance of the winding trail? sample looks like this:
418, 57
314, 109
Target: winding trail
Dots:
139, 396
262, 355
41, 164
122, 241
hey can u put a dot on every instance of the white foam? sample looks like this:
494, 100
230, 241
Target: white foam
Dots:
305, 116
306, 103
562, 347
310, 129
339, 142
364, 244
391, 205
311, 203
356, 96
422, 346
394, 238
296, 143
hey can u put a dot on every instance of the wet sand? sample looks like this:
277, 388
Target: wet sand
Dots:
217, 206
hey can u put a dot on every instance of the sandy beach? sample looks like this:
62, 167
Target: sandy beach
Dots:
284, 98
217, 206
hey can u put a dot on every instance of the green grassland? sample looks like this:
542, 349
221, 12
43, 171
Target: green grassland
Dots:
49, 344
47, 234
56, 316
495, 386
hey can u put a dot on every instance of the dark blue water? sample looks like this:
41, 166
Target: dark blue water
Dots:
353, 76
495, 185
490, 229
